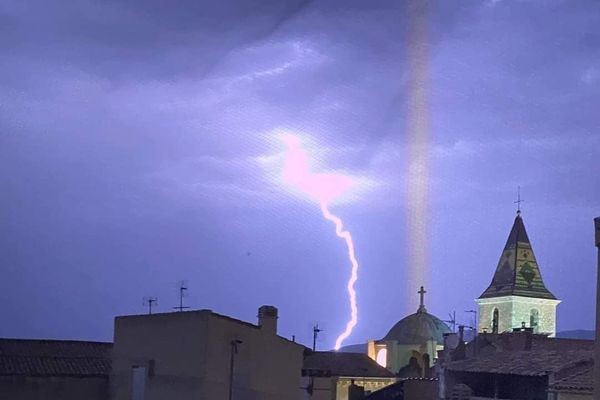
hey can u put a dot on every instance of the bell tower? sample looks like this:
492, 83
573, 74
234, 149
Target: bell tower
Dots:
517, 294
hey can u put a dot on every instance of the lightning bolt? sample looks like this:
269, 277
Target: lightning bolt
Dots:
340, 232
324, 188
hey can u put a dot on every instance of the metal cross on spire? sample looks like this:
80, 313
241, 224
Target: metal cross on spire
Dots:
519, 201
422, 292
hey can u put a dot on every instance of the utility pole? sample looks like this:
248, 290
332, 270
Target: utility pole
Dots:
316, 331
311, 384
597, 342
234, 351
149, 301
182, 290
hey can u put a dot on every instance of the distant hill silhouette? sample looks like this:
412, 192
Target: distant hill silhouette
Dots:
354, 348
577, 334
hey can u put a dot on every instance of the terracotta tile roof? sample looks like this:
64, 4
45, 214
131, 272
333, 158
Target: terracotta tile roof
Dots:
527, 363
54, 357
518, 340
579, 381
332, 363
541, 342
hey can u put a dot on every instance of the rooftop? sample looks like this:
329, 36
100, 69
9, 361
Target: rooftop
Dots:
522, 362
54, 358
579, 381
333, 363
182, 315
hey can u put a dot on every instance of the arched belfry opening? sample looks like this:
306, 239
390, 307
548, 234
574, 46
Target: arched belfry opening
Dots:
534, 320
495, 320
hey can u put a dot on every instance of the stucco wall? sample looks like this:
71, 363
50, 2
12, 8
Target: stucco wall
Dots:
191, 351
53, 388
342, 384
486, 311
174, 343
266, 365
336, 388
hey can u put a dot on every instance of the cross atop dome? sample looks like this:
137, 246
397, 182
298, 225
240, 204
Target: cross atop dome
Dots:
422, 292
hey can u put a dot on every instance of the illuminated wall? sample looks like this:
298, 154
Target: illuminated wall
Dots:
514, 310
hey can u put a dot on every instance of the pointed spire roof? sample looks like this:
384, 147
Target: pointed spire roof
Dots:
517, 273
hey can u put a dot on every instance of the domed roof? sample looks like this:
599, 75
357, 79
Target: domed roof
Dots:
418, 328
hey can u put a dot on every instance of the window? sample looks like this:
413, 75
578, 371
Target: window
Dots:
382, 357
495, 319
534, 320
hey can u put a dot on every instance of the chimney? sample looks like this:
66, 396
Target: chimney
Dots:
460, 352
597, 343
267, 319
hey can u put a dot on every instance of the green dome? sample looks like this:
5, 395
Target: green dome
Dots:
418, 328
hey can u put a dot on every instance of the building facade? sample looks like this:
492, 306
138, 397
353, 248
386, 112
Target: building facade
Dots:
203, 355
328, 375
517, 296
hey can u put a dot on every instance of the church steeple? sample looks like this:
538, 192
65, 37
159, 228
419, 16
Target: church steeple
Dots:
517, 273
517, 296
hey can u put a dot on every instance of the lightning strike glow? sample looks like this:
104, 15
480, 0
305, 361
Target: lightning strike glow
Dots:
339, 230
324, 188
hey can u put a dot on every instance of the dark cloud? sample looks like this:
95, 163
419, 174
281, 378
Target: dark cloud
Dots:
138, 144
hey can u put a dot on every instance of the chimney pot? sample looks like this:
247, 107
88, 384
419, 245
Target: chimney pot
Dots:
267, 318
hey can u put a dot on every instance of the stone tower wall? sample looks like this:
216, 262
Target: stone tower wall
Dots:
514, 310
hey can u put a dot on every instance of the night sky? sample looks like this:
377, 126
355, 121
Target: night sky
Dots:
138, 147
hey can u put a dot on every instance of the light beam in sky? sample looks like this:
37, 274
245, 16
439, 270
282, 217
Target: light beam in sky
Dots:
418, 147
323, 188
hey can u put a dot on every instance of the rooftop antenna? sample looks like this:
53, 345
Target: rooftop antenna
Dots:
452, 320
316, 331
519, 201
149, 301
474, 320
182, 289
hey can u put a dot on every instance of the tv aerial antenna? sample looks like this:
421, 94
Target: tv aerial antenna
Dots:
452, 320
473, 320
150, 301
182, 289
316, 331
